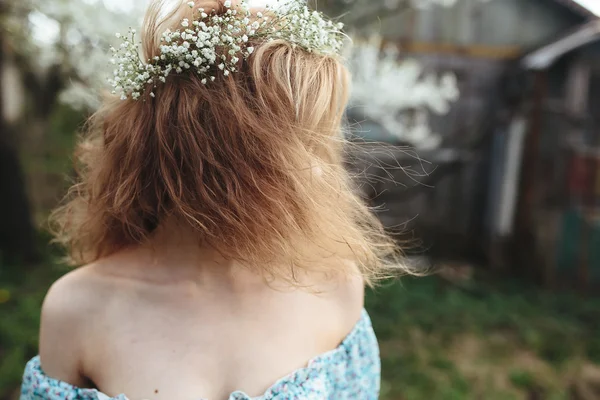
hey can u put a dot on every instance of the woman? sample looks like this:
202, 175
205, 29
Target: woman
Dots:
225, 249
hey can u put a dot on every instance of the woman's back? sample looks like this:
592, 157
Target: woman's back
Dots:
226, 245
155, 324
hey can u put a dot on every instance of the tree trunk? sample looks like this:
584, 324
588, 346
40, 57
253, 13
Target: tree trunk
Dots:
17, 238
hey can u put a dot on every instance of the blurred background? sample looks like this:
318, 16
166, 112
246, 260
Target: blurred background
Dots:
475, 131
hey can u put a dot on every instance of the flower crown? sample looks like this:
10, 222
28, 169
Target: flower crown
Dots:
215, 43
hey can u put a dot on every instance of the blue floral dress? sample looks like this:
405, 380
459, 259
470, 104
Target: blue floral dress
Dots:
351, 371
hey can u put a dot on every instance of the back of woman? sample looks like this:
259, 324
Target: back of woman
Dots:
223, 250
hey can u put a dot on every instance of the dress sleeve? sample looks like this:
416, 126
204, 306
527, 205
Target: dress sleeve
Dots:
38, 386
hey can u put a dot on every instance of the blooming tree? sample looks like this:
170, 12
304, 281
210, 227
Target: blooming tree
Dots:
384, 88
76, 35
396, 94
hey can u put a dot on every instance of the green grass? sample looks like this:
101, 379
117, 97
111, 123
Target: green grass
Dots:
438, 341
502, 340
22, 291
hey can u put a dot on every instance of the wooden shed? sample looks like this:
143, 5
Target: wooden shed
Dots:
445, 202
552, 225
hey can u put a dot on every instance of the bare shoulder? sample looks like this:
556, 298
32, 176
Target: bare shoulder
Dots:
69, 304
69, 295
351, 296
345, 296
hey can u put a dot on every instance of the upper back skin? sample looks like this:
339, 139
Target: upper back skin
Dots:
154, 325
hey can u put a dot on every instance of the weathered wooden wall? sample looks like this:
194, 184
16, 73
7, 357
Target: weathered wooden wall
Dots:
479, 42
566, 188
522, 23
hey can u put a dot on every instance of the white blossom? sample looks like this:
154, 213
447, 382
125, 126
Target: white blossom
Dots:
383, 88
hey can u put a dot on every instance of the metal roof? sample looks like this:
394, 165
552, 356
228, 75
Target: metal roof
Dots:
585, 8
545, 56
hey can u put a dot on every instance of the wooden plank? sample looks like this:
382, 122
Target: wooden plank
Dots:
530, 163
578, 87
471, 50
525, 229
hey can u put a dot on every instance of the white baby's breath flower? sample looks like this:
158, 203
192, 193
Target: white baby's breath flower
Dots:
219, 42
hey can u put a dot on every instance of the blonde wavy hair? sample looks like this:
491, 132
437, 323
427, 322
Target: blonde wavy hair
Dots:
253, 163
